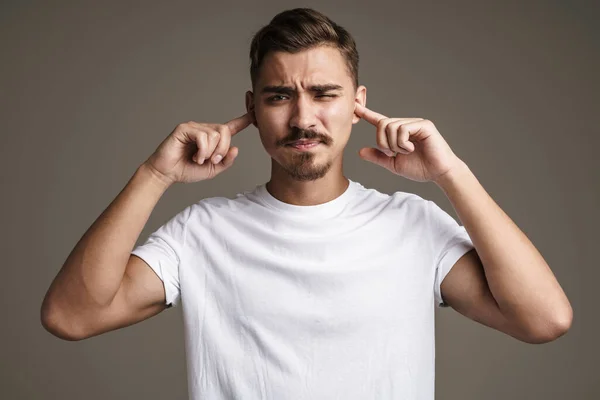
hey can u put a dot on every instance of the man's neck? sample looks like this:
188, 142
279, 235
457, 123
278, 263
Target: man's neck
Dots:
307, 193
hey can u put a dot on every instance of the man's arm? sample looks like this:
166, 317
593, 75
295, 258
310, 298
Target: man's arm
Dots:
505, 283
101, 286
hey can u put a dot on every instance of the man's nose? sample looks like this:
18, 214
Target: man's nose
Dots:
303, 114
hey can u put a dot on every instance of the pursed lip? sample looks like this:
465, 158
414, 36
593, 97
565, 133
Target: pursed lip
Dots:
305, 142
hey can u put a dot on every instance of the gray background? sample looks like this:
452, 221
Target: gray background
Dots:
89, 90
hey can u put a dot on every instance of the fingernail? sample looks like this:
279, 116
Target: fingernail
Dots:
202, 161
217, 159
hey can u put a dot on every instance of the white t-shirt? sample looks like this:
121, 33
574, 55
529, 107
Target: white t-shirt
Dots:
332, 301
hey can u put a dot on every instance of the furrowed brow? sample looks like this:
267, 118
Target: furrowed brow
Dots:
325, 88
288, 90
278, 89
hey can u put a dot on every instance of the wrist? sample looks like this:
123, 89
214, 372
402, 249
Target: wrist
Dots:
453, 175
157, 178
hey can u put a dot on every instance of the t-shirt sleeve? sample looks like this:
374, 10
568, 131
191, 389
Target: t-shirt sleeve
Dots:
162, 251
450, 241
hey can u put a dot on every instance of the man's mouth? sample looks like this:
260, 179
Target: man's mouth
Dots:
304, 144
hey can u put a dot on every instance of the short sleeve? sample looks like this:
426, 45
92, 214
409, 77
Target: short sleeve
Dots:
450, 241
162, 251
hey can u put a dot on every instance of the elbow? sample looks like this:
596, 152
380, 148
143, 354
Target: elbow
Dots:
552, 329
60, 332
62, 328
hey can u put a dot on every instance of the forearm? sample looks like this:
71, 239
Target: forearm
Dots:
519, 278
94, 270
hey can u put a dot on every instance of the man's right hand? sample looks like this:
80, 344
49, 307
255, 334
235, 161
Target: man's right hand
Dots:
196, 151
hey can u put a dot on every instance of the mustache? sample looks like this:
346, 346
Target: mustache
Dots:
309, 134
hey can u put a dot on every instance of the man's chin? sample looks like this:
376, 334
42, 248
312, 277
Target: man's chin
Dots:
308, 171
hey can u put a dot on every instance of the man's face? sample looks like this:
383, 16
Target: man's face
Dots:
306, 96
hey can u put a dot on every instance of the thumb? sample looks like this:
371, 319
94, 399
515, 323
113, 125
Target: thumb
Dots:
227, 161
376, 156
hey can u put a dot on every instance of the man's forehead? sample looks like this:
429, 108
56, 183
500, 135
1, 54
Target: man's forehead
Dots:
283, 88
323, 65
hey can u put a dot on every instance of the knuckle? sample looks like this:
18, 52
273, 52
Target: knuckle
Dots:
222, 129
189, 126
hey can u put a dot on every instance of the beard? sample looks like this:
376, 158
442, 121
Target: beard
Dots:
302, 167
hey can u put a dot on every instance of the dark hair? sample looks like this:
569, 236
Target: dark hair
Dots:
301, 29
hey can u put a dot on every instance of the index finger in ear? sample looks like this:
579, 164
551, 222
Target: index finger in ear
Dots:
370, 116
239, 123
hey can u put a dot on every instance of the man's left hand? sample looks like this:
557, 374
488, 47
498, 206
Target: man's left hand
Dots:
422, 153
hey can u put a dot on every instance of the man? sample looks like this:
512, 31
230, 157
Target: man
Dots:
310, 286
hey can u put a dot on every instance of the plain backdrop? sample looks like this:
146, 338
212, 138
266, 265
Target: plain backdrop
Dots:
88, 90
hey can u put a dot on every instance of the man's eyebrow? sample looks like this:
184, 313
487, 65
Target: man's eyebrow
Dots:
278, 89
289, 90
325, 88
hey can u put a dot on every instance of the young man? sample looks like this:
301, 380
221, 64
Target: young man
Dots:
310, 286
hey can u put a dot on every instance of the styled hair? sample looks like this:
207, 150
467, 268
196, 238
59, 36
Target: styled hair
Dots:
300, 29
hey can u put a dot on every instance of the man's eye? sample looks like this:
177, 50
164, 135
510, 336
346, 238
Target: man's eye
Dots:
277, 97
326, 95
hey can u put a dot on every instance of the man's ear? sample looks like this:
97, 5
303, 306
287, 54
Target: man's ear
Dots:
361, 98
250, 106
